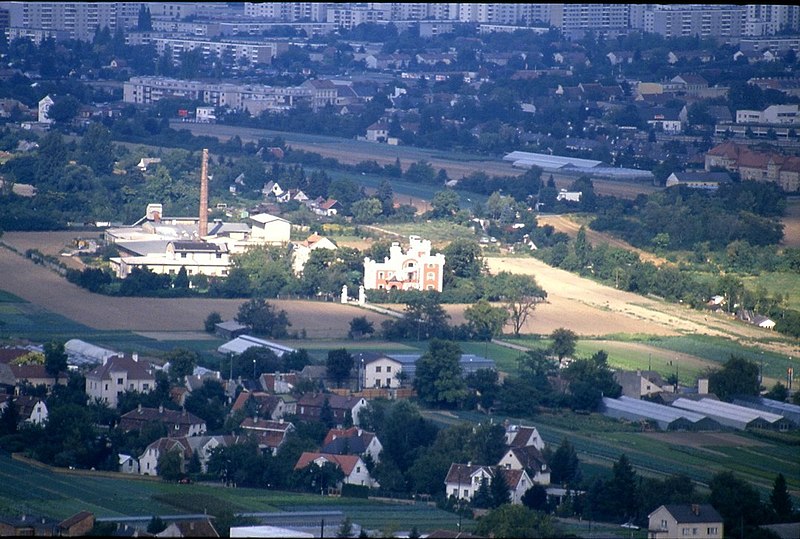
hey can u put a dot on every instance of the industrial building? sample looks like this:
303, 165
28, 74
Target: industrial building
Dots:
789, 411
731, 415
666, 417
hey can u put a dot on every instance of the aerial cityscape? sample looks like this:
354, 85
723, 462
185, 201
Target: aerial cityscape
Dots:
307, 269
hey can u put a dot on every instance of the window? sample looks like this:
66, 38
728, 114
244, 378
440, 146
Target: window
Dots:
431, 276
183, 255
219, 255
358, 469
388, 368
712, 531
663, 524
120, 381
378, 368
145, 387
685, 531
106, 387
388, 382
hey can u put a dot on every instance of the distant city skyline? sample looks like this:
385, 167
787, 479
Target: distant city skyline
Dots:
80, 20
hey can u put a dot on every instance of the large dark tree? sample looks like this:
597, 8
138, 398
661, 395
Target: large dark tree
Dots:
738, 376
737, 501
339, 364
438, 379
780, 500
263, 318
55, 359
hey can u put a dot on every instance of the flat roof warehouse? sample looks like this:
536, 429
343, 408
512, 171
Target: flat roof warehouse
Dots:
574, 165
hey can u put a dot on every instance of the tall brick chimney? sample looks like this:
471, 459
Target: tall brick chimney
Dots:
202, 225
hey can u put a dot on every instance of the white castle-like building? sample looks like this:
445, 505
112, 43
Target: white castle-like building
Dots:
415, 269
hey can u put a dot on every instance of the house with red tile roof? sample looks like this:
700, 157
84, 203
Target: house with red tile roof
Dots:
354, 469
309, 407
352, 441
36, 375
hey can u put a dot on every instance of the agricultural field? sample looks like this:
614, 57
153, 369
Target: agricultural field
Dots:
59, 494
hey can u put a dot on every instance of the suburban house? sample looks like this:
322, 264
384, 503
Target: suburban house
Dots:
309, 407
295, 195
521, 436
378, 132
270, 434
415, 269
128, 464
302, 250
379, 370
146, 162
638, 384
354, 469
352, 441
77, 525
695, 520
280, 383
326, 208
116, 375
272, 188
178, 423
187, 446
265, 405
190, 528
36, 375
528, 459
464, 480
31, 409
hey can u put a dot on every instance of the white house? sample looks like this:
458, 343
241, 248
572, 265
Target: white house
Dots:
354, 469
521, 436
116, 375
528, 459
31, 409
415, 269
378, 132
684, 520
128, 464
205, 115
382, 371
569, 196
302, 250
44, 109
464, 480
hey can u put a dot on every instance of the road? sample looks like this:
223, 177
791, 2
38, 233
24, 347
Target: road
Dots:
351, 152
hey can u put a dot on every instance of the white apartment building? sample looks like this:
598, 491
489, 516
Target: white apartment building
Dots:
774, 114
116, 375
198, 257
414, 269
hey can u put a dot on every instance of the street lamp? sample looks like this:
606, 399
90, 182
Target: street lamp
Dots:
254, 368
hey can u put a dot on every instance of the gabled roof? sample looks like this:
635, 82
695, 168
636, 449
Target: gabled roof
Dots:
138, 416
347, 463
264, 218
25, 372
529, 457
194, 246
352, 441
692, 513
463, 473
194, 528
336, 402
137, 370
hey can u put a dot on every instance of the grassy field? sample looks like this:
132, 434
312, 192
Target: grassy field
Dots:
784, 283
440, 232
35, 490
691, 354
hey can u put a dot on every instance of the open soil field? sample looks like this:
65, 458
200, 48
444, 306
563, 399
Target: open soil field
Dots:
704, 439
592, 309
43, 287
50, 243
